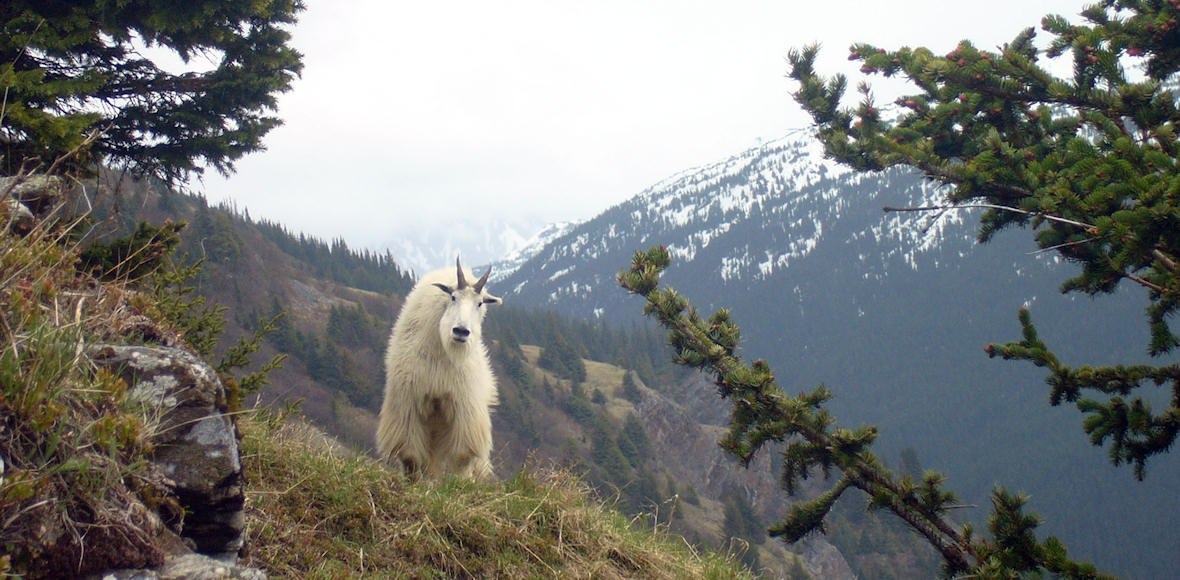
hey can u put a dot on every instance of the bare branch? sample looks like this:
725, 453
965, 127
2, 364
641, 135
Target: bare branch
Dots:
1049, 217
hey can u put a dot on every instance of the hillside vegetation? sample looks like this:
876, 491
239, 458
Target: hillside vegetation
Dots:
73, 482
320, 511
78, 495
569, 389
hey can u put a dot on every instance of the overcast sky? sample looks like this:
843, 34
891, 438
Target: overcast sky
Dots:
425, 114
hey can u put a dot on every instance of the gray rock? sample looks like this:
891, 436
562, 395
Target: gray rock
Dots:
38, 194
194, 443
19, 219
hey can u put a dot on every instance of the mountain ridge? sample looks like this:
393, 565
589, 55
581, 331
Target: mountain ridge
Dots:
768, 178
891, 310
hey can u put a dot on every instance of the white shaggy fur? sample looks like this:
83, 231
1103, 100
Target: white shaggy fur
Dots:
438, 381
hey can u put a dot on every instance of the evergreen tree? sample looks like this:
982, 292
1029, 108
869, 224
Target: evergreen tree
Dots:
636, 436
1090, 163
630, 389
515, 406
604, 451
514, 367
627, 448
214, 236
597, 397
578, 406
741, 521
563, 359
76, 81
352, 326
643, 495
508, 341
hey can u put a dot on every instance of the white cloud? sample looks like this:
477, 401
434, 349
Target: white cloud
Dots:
409, 113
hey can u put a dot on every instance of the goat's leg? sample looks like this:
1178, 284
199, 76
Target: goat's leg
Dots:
401, 438
469, 446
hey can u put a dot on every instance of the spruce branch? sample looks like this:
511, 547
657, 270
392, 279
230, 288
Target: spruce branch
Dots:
761, 413
1135, 433
1092, 159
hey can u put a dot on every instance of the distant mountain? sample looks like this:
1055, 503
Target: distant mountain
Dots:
890, 311
475, 241
742, 222
510, 263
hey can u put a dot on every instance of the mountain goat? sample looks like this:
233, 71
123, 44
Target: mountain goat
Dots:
438, 381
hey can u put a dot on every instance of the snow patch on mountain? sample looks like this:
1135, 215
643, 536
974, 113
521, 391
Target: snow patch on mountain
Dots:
513, 260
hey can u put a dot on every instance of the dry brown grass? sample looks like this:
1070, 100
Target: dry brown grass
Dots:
74, 491
318, 511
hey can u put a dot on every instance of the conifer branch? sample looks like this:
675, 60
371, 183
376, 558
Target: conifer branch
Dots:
1168, 263
1005, 134
761, 412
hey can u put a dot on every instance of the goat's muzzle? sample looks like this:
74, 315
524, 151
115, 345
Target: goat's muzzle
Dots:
460, 334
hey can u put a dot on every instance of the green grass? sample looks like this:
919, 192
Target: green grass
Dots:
74, 488
317, 510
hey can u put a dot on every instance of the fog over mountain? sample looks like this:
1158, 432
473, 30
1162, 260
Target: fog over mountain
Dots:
472, 238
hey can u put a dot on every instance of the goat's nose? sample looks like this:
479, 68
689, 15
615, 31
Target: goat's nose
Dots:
460, 332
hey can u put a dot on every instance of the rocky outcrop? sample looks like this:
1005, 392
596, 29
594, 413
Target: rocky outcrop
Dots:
28, 199
194, 443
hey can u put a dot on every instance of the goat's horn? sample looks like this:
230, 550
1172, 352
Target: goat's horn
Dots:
482, 280
459, 271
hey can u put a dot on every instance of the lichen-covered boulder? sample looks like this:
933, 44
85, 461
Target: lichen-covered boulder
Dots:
28, 198
194, 442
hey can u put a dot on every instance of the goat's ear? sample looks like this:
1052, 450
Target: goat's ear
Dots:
489, 299
445, 288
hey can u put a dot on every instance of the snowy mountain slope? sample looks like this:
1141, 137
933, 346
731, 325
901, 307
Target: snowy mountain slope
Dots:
743, 220
891, 312
526, 250
475, 241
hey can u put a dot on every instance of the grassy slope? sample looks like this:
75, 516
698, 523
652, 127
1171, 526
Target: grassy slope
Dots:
319, 511
701, 520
